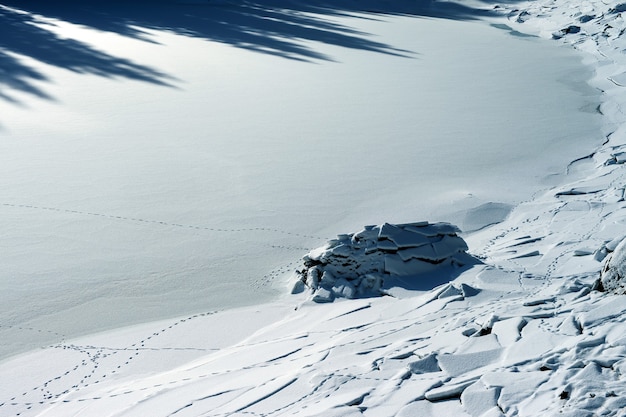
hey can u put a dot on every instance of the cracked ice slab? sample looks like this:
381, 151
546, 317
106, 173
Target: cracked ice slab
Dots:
363, 263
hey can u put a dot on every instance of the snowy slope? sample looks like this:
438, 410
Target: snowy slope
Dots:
174, 151
531, 337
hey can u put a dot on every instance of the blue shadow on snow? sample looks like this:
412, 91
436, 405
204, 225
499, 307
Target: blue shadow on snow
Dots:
278, 27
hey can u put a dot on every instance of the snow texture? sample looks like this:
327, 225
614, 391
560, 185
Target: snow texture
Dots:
172, 158
522, 333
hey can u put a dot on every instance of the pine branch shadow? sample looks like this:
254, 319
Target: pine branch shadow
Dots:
283, 28
23, 37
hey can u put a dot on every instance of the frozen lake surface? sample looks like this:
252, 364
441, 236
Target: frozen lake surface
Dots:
124, 201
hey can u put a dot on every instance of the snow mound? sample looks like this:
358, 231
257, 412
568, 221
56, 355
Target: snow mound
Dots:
364, 264
613, 275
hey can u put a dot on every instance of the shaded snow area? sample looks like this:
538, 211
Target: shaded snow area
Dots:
378, 258
518, 311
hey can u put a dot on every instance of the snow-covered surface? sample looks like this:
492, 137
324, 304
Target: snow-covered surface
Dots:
117, 210
182, 164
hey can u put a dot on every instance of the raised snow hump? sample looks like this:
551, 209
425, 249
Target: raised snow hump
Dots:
613, 275
369, 262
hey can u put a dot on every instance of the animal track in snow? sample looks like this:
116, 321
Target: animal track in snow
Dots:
165, 223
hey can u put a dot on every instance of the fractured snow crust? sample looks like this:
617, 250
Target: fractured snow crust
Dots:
370, 261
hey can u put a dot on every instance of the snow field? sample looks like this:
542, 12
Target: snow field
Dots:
523, 334
230, 173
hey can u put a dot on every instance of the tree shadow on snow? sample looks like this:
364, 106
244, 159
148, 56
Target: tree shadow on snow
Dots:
282, 28
22, 35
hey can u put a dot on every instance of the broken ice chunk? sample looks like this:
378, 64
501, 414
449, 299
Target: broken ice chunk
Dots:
357, 265
394, 265
323, 295
423, 252
401, 237
425, 365
387, 245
